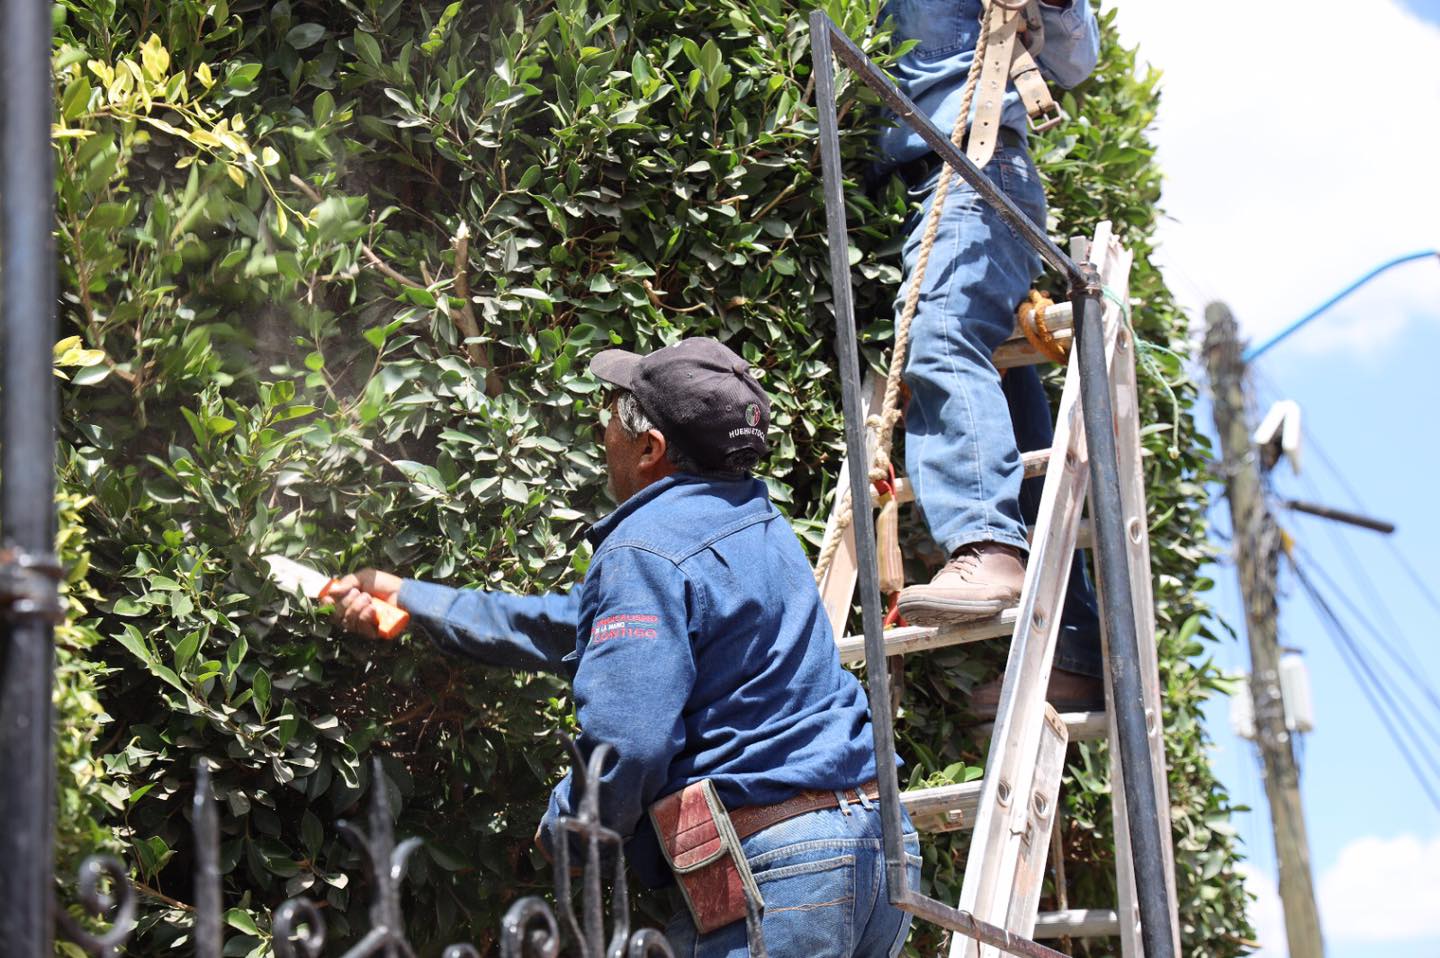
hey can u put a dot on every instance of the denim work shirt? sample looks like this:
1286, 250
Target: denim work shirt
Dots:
698, 647
932, 74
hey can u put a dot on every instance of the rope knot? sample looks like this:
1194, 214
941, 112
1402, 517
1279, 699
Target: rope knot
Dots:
1031, 319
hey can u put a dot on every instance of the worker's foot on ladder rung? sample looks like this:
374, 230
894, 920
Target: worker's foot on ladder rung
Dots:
1077, 923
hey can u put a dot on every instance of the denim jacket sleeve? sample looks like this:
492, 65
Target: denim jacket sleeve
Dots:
1072, 42
635, 675
535, 632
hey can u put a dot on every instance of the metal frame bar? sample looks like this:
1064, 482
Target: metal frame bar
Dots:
1118, 608
29, 605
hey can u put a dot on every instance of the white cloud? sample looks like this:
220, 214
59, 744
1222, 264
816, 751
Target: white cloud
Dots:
1266, 914
1383, 889
1297, 157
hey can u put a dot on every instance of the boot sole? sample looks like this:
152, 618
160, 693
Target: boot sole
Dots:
931, 611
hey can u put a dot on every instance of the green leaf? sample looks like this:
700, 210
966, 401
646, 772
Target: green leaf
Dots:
240, 920
304, 35
185, 651
367, 48
260, 685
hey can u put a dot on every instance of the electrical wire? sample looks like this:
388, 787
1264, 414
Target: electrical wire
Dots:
1347, 555
1410, 667
1356, 569
1372, 688
1417, 719
1420, 584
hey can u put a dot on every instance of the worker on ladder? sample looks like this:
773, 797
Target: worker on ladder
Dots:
964, 273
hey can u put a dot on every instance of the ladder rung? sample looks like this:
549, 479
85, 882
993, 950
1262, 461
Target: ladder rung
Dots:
917, 638
1082, 726
947, 808
1034, 464
1078, 923
1017, 351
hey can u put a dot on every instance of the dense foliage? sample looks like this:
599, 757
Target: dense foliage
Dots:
331, 276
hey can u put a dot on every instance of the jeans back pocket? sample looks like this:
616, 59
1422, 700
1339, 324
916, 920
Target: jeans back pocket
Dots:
809, 905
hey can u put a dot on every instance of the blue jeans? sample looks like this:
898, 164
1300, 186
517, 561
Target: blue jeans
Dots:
964, 429
822, 876
960, 450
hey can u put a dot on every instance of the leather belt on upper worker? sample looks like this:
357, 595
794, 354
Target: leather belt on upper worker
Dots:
748, 821
921, 168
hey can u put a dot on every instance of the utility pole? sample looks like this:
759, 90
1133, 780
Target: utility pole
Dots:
1257, 556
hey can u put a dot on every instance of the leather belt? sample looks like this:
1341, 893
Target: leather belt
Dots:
754, 818
920, 169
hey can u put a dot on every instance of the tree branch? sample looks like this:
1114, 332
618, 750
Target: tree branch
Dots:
470, 327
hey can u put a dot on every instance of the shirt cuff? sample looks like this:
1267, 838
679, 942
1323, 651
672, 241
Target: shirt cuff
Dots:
426, 602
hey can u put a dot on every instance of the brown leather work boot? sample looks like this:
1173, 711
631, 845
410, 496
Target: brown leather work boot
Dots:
980, 580
1067, 692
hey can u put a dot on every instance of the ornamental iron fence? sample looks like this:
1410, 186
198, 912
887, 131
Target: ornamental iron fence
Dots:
529, 929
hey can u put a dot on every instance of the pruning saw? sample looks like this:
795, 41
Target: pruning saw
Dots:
293, 576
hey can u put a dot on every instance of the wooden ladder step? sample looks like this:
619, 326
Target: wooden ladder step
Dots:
1078, 923
947, 808
1034, 463
1082, 726
950, 808
1017, 351
918, 638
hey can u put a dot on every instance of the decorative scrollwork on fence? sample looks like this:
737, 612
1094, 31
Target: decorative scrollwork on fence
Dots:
529, 929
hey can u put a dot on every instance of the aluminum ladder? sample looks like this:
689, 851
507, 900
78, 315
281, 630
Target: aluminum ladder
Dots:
1012, 809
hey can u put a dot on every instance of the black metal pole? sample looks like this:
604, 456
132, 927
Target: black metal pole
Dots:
863, 524
1118, 609
27, 478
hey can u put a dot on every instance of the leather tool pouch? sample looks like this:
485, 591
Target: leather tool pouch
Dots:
703, 851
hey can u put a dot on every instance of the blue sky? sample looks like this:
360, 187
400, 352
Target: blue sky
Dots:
1425, 9
1288, 176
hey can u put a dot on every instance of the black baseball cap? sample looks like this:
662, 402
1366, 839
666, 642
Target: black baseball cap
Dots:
698, 393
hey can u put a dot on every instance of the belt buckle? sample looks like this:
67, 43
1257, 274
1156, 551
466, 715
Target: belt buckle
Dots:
1047, 120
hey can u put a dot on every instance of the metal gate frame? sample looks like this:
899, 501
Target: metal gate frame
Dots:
827, 42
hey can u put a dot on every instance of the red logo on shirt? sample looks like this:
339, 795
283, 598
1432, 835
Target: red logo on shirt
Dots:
624, 627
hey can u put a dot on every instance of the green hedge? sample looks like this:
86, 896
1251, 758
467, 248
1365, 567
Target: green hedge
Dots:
336, 271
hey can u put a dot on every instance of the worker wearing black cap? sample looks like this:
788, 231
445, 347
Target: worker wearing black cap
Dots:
699, 649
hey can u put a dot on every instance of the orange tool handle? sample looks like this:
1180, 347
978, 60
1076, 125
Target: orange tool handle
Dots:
390, 619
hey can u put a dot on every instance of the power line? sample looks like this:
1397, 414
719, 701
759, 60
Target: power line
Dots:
1410, 667
1370, 686
1409, 567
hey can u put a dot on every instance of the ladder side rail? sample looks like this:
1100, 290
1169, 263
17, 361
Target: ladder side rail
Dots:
1009, 766
1041, 817
1119, 614
1137, 529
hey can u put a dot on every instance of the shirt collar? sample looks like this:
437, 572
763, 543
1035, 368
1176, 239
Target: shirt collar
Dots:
605, 526
597, 533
